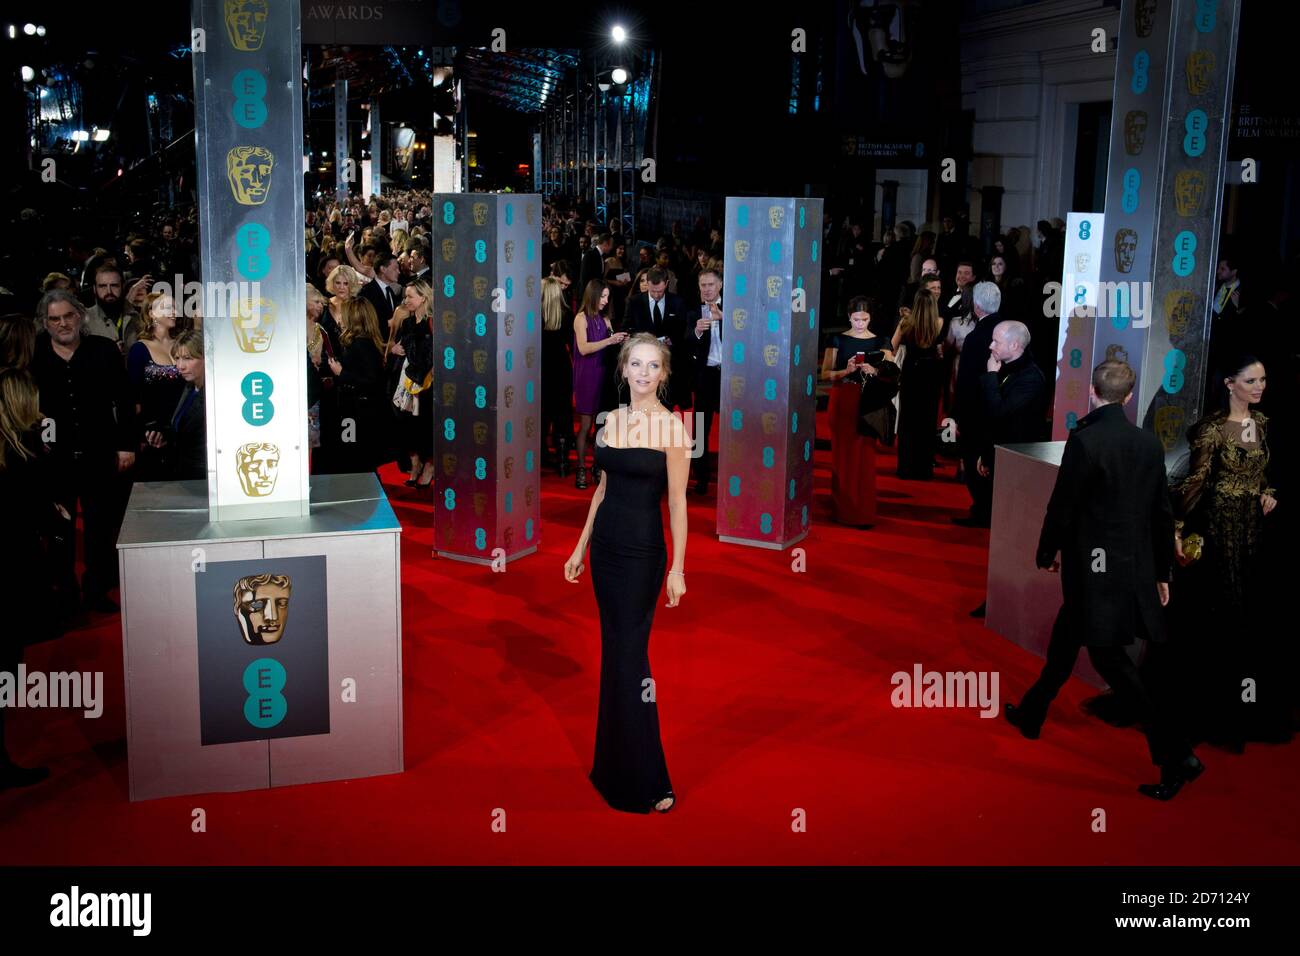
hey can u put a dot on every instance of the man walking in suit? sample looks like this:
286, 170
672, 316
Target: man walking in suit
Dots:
968, 401
1111, 522
706, 339
663, 315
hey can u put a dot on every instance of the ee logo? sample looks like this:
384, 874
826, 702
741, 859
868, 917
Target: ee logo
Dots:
1132, 183
1085, 229
448, 213
1141, 75
1175, 362
253, 242
1196, 124
256, 389
1184, 253
249, 88
264, 679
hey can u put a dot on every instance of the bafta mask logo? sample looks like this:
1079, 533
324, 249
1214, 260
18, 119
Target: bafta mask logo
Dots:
449, 322
510, 250
1189, 190
1135, 131
530, 426
776, 216
530, 211
258, 465
480, 504
737, 386
1169, 425
246, 24
1116, 353
1126, 244
249, 170
449, 465
480, 213
448, 250
510, 323
480, 361
732, 516
530, 356
738, 317
509, 535
262, 607
1200, 71
528, 496
1081, 262
765, 489
1144, 17
770, 354
769, 423
254, 323
1178, 311
530, 284
480, 287
480, 433
508, 467
742, 249
774, 287
449, 393
510, 396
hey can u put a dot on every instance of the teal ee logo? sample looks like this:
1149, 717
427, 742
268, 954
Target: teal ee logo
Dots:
256, 389
264, 679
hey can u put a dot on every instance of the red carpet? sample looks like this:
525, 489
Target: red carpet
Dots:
774, 693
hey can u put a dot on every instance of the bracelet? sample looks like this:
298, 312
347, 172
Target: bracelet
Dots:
682, 573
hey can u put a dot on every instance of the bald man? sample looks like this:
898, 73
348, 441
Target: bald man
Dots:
1014, 392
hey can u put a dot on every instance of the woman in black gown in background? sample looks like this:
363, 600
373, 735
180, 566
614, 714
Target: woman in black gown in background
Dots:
641, 450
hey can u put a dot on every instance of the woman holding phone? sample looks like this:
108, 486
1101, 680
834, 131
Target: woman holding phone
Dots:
850, 355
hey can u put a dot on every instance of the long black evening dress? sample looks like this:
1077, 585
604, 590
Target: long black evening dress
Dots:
628, 560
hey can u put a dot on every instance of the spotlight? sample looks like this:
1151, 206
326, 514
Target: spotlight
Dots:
619, 76
29, 29
40, 31
101, 136
619, 34
12, 31
80, 136
28, 74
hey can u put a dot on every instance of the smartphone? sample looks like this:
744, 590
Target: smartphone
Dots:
860, 357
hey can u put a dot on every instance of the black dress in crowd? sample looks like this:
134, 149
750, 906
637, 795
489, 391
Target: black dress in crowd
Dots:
920, 385
628, 560
361, 399
416, 429
158, 388
189, 436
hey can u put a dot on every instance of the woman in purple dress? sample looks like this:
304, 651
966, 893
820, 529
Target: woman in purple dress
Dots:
591, 335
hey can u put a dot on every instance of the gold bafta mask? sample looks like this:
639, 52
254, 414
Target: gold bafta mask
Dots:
449, 393
528, 496
1126, 243
1081, 262
448, 534
254, 324
530, 426
449, 322
1144, 17
480, 361
530, 284
737, 386
732, 516
1178, 311
770, 354
480, 433
530, 357
509, 534
480, 214
769, 423
1200, 70
774, 287
1189, 190
765, 489
738, 317
449, 465
257, 464
742, 249
510, 323
510, 250
510, 396
530, 213
480, 287
262, 607
1135, 131
508, 467
1116, 353
480, 503
1169, 425
1073, 390
776, 216
249, 170
448, 250
246, 24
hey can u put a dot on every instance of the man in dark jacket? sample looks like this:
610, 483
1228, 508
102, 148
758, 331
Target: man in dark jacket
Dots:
1015, 393
664, 316
968, 401
1110, 521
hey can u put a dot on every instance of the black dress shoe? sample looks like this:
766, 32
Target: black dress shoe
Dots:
1172, 779
1016, 718
13, 776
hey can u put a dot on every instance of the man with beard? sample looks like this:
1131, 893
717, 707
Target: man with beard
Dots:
109, 316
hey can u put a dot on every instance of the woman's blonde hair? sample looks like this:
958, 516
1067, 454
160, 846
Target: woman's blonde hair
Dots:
190, 342
923, 326
552, 303
360, 322
398, 240
315, 293
665, 358
53, 279
144, 321
349, 273
20, 411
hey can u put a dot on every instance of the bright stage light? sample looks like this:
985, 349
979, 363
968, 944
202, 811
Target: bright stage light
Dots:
619, 76
29, 29
40, 31
619, 34
28, 74
12, 31
101, 136
80, 136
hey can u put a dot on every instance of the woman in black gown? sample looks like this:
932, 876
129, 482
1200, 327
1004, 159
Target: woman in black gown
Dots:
920, 385
642, 450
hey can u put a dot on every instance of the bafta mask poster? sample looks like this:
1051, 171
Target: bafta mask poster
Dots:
263, 649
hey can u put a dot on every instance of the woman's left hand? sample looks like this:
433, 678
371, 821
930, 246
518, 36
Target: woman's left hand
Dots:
335, 367
1269, 502
676, 588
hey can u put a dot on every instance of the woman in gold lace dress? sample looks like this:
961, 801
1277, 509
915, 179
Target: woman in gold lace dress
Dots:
1220, 509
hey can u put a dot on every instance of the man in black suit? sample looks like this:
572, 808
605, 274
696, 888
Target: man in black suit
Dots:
706, 341
664, 316
384, 292
968, 401
1015, 393
419, 259
593, 262
1111, 523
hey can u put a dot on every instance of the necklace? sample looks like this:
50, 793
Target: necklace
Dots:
633, 411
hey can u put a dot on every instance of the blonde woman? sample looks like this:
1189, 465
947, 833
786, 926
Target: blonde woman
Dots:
359, 371
156, 380
557, 365
410, 367
642, 450
920, 386
397, 242
321, 347
343, 283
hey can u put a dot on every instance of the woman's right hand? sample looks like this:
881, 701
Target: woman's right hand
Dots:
1182, 559
573, 567
617, 338
397, 349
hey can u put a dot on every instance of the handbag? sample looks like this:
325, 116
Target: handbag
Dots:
877, 417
